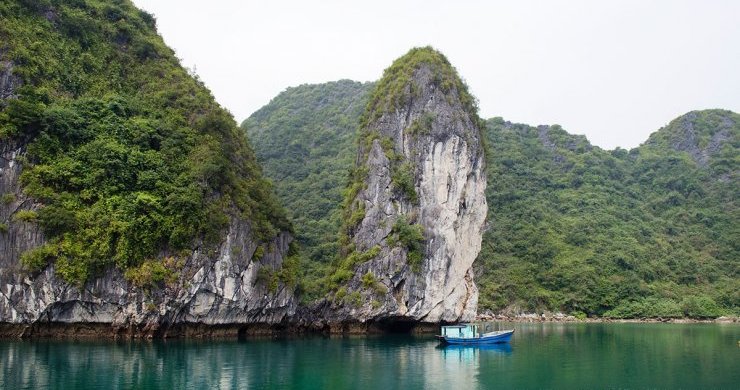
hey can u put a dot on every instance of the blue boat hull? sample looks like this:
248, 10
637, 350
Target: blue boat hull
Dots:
503, 337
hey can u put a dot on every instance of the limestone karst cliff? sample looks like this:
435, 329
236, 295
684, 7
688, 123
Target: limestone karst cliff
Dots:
131, 203
416, 208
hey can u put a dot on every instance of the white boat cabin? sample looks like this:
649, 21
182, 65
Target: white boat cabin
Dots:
465, 331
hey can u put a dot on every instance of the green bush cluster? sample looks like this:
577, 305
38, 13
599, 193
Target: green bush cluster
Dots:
579, 315
269, 278
25, 216
339, 277
288, 273
354, 298
403, 178
258, 253
37, 259
290, 270
369, 281
357, 216
646, 307
422, 126
153, 274
411, 237
699, 307
340, 294
333, 276
7, 198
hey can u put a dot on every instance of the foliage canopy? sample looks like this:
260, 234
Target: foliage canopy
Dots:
128, 152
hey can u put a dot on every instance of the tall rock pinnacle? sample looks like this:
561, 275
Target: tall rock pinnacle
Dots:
416, 207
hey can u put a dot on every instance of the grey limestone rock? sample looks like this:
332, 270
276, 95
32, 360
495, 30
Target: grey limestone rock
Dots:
8, 81
220, 287
685, 139
441, 143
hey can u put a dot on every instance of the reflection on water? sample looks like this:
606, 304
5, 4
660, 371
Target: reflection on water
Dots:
540, 355
460, 364
470, 351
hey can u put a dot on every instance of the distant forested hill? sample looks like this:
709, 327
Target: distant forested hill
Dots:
305, 140
651, 231
646, 232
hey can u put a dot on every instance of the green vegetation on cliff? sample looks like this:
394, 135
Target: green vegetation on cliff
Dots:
643, 233
128, 153
395, 89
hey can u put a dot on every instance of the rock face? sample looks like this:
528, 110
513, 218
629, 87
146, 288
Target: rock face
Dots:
220, 288
19, 236
688, 129
8, 81
424, 162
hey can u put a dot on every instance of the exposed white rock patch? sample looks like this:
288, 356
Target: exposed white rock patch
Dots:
449, 187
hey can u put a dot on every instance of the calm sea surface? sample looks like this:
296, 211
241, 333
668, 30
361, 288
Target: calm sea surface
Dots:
563, 356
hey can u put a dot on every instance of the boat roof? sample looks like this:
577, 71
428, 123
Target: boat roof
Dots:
457, 326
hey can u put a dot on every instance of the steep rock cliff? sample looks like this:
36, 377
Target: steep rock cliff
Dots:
8, 81
131, 203
221, 288
222, 285
416, 210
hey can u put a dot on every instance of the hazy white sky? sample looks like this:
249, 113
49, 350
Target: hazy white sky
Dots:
615, 72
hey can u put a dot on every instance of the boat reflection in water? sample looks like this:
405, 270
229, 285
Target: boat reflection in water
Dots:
463, 365
503, 349
472, 334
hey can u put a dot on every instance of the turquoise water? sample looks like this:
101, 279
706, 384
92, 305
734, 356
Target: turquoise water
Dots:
556, 356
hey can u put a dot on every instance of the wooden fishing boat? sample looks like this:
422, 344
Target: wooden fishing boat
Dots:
468, 334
